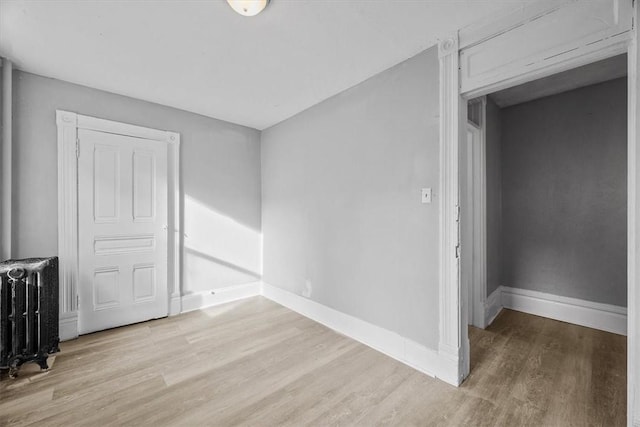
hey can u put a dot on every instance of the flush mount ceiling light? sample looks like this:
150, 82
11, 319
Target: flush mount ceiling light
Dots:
248, 7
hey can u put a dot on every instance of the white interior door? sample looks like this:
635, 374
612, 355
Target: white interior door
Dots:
122, 230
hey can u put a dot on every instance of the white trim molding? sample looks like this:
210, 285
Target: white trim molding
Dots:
173, 171
204, 299
492, 306
633, 230
409, 352
68, 328
451, 335
68, 222
480, 216
68, 124
473, 224
604, 317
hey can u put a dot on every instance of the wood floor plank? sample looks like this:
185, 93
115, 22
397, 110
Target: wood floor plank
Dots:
253, 362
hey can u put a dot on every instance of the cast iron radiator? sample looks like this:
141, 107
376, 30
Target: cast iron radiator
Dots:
28, 312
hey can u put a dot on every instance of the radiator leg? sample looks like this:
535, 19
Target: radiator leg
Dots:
13, 372
42, 362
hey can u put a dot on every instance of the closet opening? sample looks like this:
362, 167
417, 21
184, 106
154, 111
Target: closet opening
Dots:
543, 178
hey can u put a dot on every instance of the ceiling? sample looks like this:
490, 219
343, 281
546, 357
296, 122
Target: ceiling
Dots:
590, 74
201, 56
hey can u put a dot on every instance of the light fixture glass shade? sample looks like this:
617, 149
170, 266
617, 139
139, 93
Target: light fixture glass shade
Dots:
248, 7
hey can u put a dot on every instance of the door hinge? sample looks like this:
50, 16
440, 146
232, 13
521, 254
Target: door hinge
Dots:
457, 213
77, 147
458, 250
77, 301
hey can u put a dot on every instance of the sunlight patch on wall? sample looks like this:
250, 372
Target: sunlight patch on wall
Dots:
218, 251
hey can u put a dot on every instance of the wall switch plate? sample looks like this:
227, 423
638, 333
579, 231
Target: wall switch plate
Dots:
426, 195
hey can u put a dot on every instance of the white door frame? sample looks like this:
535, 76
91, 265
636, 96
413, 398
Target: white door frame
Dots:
454, 344
474, 226
68, 124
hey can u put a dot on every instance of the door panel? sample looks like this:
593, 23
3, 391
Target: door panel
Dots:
144, 196
122, 224
144, 282
107, 245
105, 288
106, 160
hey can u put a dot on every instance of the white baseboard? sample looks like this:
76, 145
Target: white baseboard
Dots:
197, 301
68, 327
175, 304
390, 343
605, 317
492, 306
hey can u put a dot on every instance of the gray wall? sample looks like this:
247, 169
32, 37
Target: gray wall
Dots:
564, 194
494, 196
342, 218
220, 177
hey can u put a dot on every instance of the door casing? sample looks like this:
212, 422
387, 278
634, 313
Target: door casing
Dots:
68, 124
473, 227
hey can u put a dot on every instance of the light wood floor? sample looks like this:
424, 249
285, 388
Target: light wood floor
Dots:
256, 363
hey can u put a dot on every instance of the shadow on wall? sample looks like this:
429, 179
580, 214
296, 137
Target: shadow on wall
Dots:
218, 250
